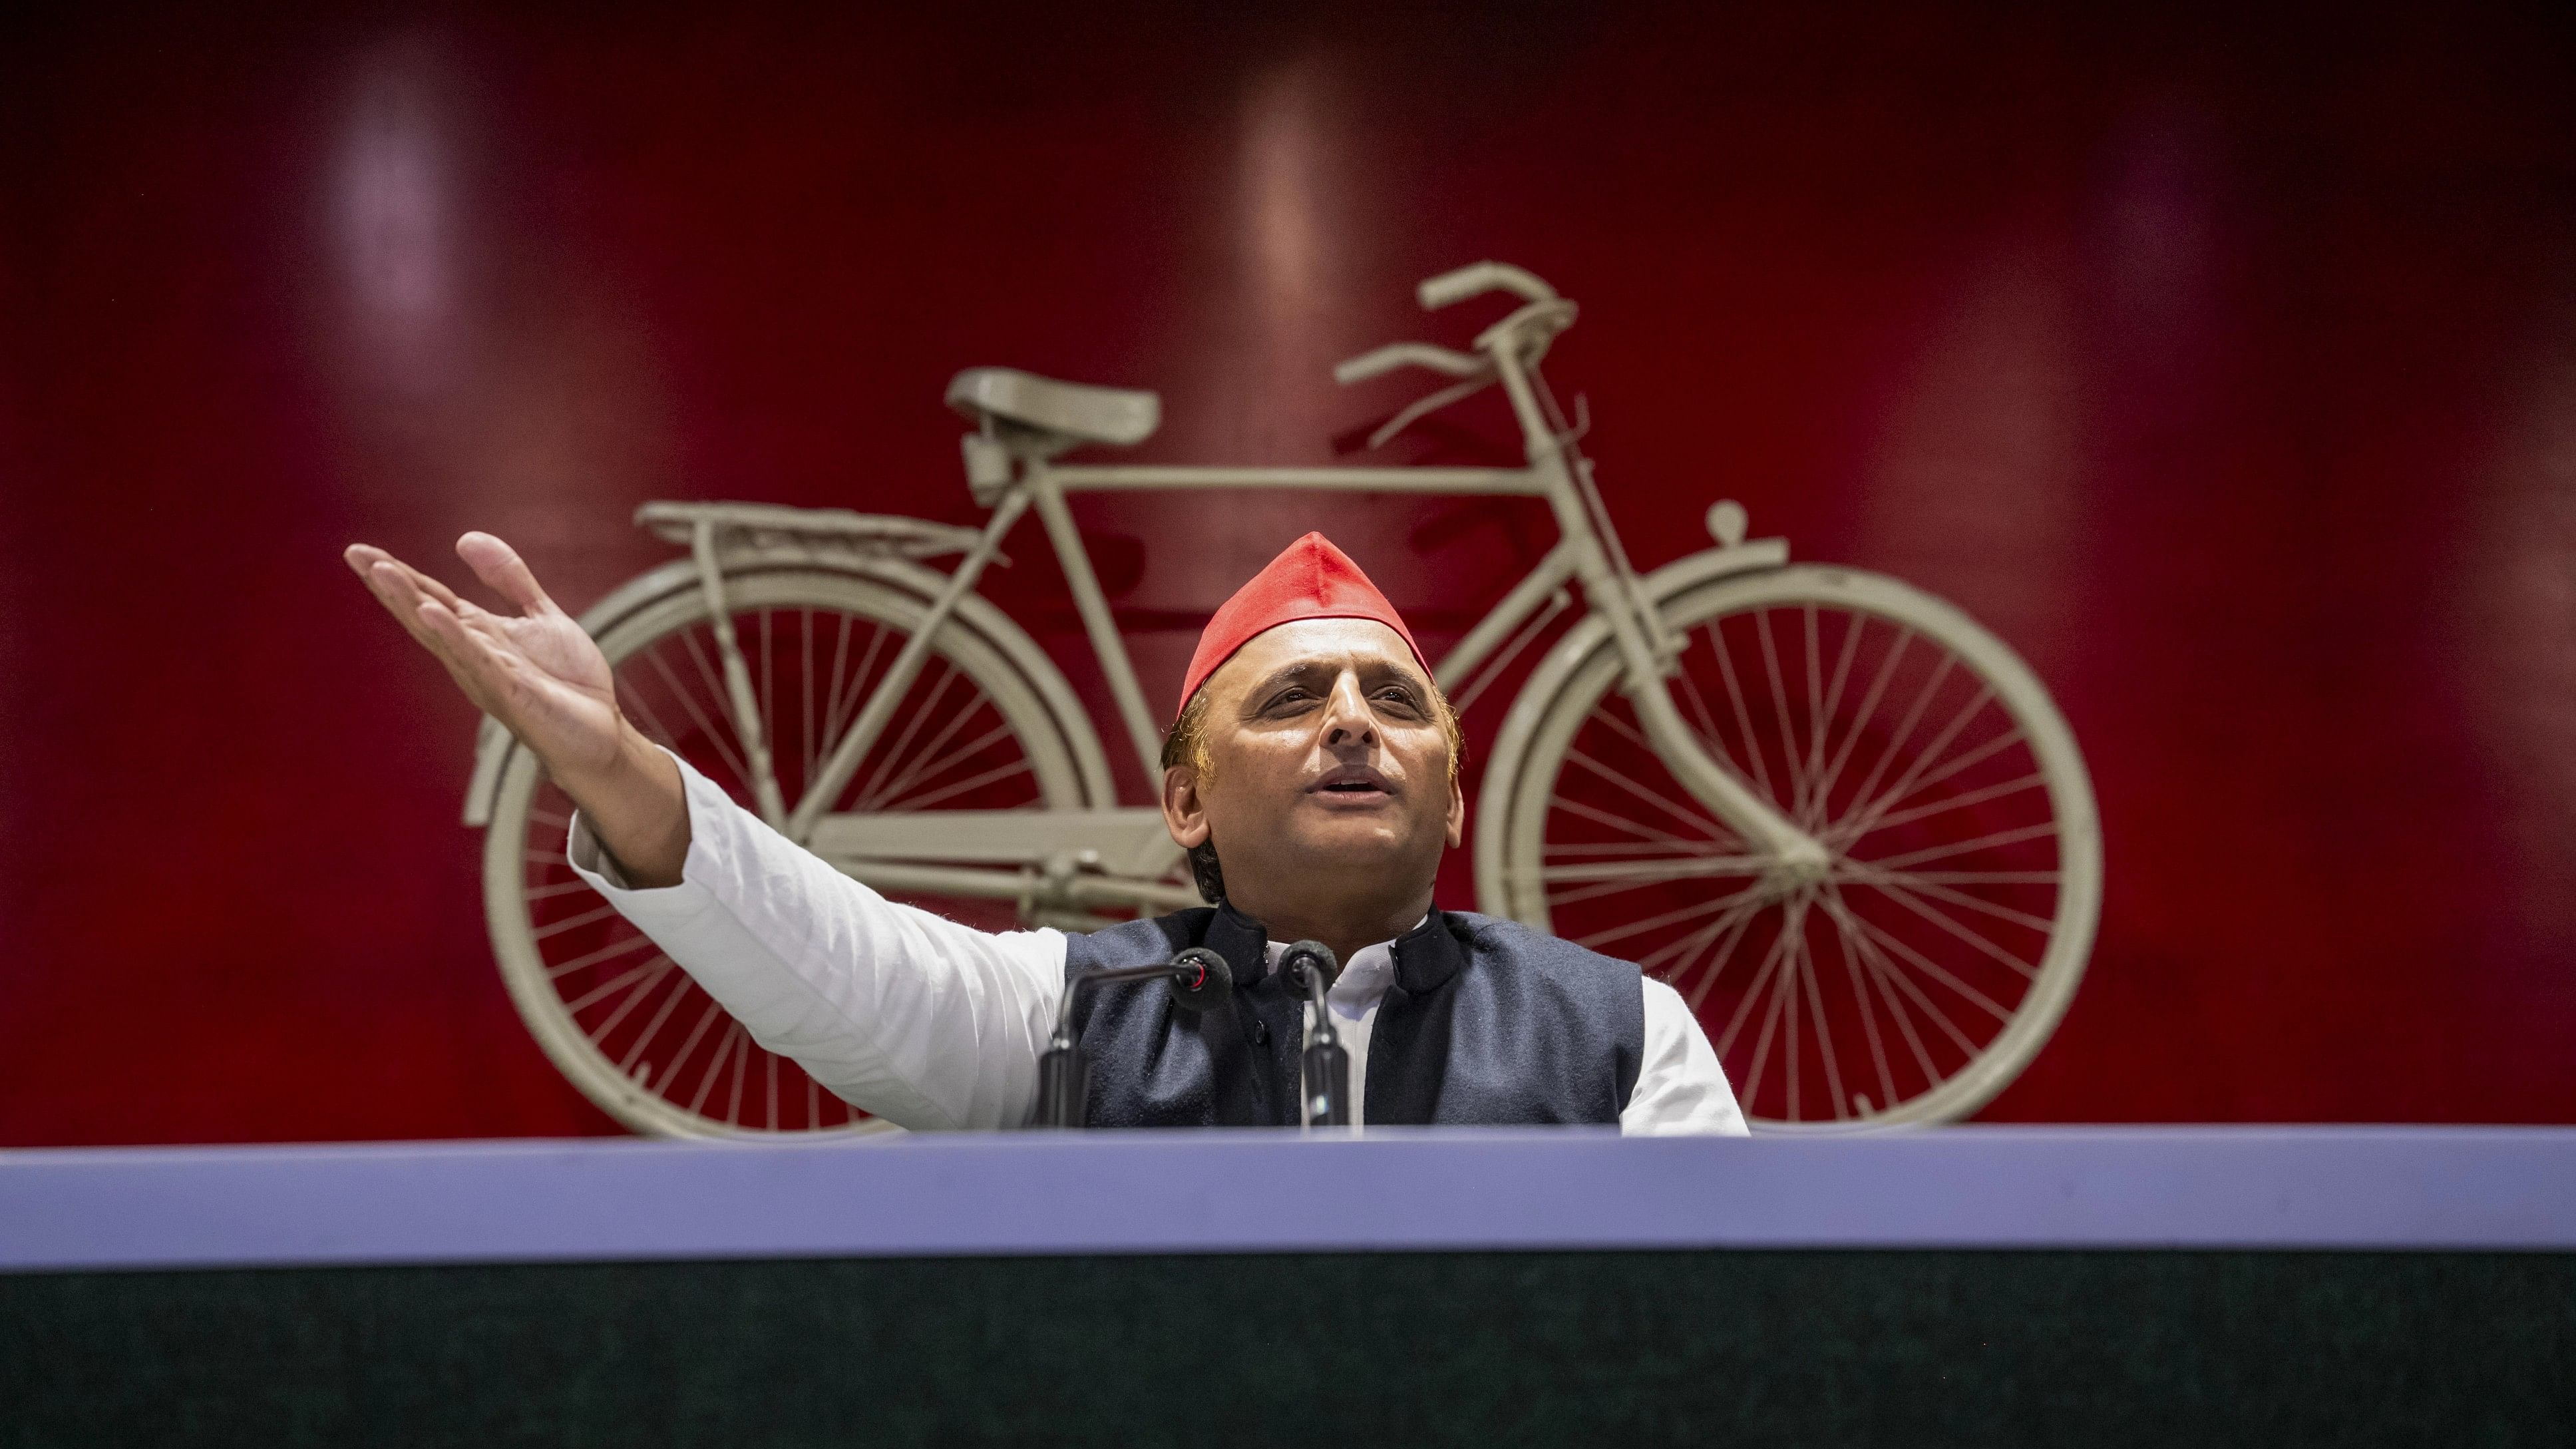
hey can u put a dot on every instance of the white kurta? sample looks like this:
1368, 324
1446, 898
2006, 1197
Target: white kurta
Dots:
930, 1024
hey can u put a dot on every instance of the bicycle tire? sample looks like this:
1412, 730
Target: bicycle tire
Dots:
530, 892
1549, 860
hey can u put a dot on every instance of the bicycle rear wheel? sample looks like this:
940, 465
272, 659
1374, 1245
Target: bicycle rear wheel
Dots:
1930, 963
628, 1027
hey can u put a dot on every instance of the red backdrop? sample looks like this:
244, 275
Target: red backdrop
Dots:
2226, 368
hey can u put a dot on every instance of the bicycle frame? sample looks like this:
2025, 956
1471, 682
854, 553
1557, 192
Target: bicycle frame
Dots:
1586, 551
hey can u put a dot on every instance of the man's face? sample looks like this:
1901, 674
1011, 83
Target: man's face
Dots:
1327, 764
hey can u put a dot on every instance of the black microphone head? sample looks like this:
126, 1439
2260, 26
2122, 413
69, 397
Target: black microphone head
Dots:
1306, 956
1200, 979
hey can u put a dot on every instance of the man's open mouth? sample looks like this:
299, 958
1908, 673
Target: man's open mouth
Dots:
1354, 783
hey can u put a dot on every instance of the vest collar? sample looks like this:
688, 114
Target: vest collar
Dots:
1242, 942
1428, 955
1425, 957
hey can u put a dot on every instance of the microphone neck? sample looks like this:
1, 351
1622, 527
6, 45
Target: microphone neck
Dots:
1103, 976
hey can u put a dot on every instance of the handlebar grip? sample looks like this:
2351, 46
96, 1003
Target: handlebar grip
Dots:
1406, 354
1482, 277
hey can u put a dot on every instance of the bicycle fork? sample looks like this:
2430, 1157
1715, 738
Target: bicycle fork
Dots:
1646, 649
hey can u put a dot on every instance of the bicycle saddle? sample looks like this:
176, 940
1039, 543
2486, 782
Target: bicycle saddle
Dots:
1068, 409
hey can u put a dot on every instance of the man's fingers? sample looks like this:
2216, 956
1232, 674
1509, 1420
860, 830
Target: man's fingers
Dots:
399, 583
483, 670
498, 564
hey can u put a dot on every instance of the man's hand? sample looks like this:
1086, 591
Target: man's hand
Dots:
547, 683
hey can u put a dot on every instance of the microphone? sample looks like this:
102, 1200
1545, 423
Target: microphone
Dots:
1310, 967
1198, 978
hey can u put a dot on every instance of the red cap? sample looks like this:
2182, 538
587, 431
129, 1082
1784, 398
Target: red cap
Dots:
1310, 579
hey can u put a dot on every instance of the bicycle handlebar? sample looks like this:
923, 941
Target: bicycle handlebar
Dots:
1480, 278
1402, 354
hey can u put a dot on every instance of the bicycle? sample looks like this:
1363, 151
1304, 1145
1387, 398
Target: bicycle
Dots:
1889, 836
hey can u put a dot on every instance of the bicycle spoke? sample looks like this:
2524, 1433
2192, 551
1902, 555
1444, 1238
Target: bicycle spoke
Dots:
1660, 802
768, 715
845, 710
604, 953
718, 696
741, 1064
1923, 885
1955, 802
1907, 785
661, 970
726, 1046
1612, 885
572, 923
1868, 1025
1818, 799
805, 683
831, 700
912, 726
1752, 994
1824, 1028
1595, 940
653, 1028
1904, 731
1961, 847
653, 655
976, 782
1890, 941
1868, 711
1743, 716
1780, 711
1708, 732
706, 1019
1617, 821
561, 888
1784, 956
1738, 922
1684, 947
636, 705
1881, 974
1941, 918
1652, 870
930, 769
1861, 932
1562, 850
611, 988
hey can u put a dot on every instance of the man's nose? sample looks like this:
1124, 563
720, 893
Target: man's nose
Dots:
1347, 719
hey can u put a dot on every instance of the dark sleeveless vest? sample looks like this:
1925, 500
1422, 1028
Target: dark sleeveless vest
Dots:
1486, 1021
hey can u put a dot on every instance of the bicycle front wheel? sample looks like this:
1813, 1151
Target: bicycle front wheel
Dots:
616, 1015
1920, 974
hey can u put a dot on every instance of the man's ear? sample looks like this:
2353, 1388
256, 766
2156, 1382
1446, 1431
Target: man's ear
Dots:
1184, 813
1457, 814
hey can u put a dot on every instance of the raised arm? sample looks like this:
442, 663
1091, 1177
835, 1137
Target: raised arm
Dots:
917, 1019
547, 683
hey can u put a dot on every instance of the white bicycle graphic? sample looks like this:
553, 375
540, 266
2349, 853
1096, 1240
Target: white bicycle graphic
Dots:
1845, 821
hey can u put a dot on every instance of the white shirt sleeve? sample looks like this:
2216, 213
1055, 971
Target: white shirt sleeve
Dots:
1681, 1089
904, 1014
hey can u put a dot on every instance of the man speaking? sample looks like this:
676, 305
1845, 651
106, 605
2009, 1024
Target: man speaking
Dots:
1312, 776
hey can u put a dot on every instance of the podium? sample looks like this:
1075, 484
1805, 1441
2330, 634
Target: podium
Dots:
1979, 1286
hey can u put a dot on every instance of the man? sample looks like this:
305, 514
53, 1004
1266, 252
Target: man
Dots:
1312, 776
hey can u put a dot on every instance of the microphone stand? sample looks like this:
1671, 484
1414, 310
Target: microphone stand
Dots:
1199, 977
1311, 967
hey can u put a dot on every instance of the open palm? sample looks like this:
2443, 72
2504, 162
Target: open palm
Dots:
538, 672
